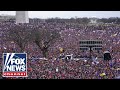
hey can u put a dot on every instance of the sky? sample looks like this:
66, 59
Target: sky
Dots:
67, 14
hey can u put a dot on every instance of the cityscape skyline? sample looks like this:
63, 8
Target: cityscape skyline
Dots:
67, 14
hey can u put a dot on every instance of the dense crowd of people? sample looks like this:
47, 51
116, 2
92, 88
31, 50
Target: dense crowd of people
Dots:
82, 69
71, 34
73, 70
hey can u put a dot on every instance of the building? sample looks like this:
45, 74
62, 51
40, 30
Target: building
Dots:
22, 17
93, 20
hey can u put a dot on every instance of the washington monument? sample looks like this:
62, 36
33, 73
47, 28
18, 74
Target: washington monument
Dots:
22, 17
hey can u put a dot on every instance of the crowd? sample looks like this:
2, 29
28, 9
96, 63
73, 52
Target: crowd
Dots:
71, 34
73, 70
53, 69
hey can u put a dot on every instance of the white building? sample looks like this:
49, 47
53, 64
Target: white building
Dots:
22, 17
93, 20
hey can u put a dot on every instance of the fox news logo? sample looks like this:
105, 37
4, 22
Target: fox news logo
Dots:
14, 65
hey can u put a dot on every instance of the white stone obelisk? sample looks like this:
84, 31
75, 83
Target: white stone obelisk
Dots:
22, 17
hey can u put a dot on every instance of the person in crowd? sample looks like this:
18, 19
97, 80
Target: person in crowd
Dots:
70, 33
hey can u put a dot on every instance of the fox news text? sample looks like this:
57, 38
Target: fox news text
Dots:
14, 65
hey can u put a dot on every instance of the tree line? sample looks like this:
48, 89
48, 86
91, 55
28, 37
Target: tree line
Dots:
85, 20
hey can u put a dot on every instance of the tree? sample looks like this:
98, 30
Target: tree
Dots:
85, 20
104, 20
20, 35
44, 38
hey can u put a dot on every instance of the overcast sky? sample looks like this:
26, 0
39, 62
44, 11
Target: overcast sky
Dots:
68, 14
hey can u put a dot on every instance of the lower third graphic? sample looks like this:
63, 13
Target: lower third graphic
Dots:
14, 65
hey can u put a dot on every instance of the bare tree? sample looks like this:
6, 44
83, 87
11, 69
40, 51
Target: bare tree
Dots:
20, 35
44, 38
